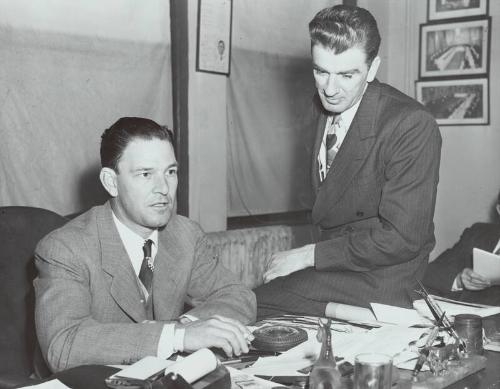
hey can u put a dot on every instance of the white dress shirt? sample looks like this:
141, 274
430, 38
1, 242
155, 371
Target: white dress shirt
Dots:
345, 121
171, 340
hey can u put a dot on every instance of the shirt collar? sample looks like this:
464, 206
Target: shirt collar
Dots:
348, 115
133, 243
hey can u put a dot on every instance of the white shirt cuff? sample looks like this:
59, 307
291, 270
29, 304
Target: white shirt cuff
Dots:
454, 287
171, 341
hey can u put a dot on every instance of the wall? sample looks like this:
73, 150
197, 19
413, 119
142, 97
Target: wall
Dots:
469, 174
470, 160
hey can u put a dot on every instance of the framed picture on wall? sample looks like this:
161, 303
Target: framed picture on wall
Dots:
458, 48
447, 9
213, 52
456, 102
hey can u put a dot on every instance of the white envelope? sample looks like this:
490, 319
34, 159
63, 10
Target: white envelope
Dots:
486, 264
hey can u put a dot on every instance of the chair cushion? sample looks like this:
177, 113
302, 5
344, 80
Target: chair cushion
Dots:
20, 230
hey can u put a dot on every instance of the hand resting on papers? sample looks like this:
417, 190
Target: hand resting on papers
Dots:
218, 331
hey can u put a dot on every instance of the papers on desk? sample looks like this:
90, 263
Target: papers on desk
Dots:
453, 308
52, 384
393, 340
401, 316
486, 264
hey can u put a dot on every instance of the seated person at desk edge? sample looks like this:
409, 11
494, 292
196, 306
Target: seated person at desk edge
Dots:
375, 166
450, 274
112, 282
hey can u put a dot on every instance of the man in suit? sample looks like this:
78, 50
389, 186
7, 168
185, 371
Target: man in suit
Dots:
375, 165
113, 282
451, 275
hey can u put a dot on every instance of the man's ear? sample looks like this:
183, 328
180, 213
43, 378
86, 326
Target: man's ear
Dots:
372, 72
498, 209
108, 180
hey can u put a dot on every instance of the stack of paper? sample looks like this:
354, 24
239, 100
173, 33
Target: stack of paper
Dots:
453, 308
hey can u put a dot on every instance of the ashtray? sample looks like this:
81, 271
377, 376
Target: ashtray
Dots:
278, 337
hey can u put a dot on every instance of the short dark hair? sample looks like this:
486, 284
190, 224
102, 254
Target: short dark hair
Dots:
342, 27
115, 139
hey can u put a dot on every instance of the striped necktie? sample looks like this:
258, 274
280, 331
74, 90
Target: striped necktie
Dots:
331, 141
146, 272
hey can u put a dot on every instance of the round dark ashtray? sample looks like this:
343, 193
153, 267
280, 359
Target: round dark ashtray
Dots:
278, 337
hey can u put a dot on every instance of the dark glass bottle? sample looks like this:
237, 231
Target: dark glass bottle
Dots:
324, 373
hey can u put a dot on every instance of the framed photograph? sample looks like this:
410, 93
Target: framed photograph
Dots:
447, 9
459, 48
213, 52
456, 102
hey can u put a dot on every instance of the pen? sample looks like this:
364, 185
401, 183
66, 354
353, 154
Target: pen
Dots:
242, 359
437, 312
424, 353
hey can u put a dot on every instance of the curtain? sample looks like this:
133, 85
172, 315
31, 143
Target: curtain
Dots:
64, 78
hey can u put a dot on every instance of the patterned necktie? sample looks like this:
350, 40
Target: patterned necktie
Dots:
331, 140
146, 272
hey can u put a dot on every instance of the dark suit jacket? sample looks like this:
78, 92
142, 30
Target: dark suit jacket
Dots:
375, 208
442, 271
88, 300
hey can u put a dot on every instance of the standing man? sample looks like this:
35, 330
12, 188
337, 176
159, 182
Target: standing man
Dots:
112, 283
375, 166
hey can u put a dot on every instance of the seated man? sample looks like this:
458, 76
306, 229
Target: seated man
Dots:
451, 275
100, 300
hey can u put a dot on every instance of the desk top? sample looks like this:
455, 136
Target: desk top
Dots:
92, 376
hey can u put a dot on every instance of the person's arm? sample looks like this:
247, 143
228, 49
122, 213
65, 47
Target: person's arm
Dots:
214, 290
67, 332
442, 273
406, 209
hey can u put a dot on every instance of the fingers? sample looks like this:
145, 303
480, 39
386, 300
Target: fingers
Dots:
222, 332
473, 281
247, 334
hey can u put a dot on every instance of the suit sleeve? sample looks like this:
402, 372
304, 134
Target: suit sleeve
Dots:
67, 332
213, 289
411, 157
441, 272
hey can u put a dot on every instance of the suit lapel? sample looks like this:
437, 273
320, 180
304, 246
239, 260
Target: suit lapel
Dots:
115, 261
352, 154
168, 261
320, 129
490, 238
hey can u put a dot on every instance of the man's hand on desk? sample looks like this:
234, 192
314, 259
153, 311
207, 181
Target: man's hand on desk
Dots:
217, 331
286, 262
469, 279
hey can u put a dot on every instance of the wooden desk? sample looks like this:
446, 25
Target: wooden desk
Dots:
92, 376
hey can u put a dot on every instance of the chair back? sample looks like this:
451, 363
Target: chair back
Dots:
20, 230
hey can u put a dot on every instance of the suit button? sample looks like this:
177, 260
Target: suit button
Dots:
359, 214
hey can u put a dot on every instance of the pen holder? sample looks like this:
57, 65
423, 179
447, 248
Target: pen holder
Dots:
470, 328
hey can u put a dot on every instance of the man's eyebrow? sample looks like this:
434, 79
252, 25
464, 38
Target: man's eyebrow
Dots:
142, 169
350, 71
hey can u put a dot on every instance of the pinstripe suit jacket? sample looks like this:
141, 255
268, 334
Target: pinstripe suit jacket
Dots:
88, 300
375, 208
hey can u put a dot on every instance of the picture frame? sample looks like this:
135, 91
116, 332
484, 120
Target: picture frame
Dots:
213, 52
456, 102
455, 48
447, 9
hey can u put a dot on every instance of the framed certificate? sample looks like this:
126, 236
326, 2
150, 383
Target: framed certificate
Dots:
213, 53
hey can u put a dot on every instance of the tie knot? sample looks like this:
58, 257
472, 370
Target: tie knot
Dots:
147, 248
331, 139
